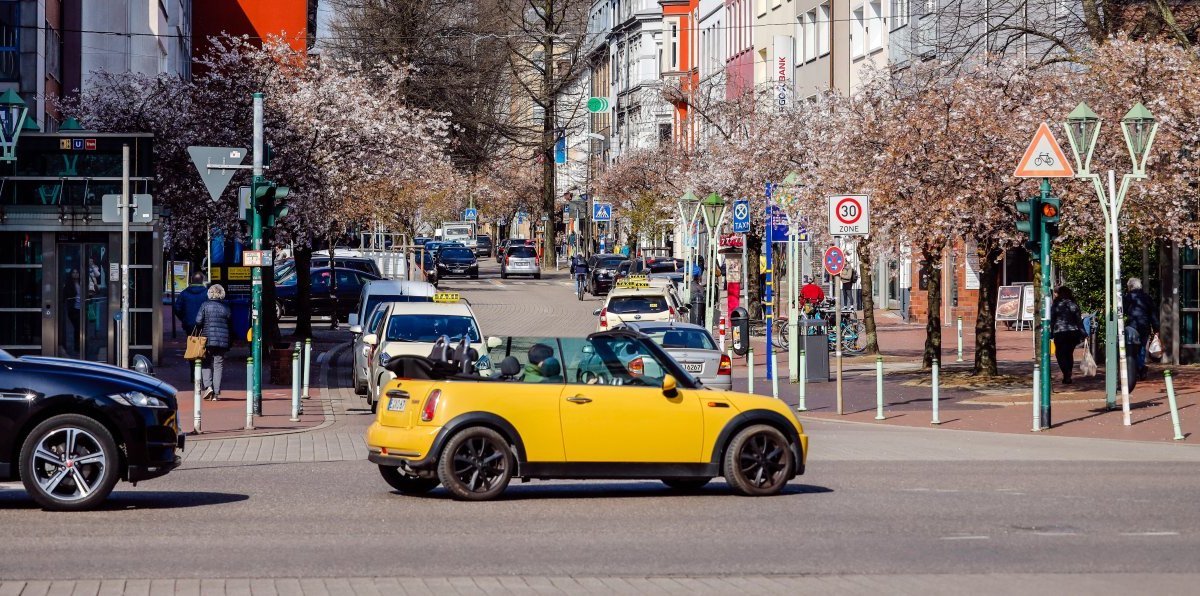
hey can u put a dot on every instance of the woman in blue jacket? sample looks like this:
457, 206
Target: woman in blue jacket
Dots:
213, 320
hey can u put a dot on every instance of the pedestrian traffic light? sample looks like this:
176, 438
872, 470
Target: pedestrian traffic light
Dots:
269, 201
1032, 226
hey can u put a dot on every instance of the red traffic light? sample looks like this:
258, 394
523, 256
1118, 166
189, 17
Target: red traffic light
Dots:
1049, 210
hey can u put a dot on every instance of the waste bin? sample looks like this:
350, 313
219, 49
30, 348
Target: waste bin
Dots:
696, 312
740, 329
239, 307
814, 338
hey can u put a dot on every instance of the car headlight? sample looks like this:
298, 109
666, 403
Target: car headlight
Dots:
383, 358
138, 399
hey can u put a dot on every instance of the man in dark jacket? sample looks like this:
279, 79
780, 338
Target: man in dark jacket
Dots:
214, 321
188, 301
1142, 315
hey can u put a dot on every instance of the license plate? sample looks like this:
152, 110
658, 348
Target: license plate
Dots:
693, 368
459, 270
397, 405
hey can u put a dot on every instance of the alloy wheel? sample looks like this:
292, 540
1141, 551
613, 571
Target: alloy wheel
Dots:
479, 464
761, 460
68, 463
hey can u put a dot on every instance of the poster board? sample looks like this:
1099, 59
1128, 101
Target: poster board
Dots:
180, 271
1008, 303
971, 267
1028, 307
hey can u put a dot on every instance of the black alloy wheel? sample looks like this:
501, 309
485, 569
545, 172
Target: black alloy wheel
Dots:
409, 485
69, 463
476, 464
758, 461
686, 484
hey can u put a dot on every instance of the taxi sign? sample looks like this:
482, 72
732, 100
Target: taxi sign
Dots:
446, 297
633, 283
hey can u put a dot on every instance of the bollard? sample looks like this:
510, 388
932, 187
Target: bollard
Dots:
960, 339
295, 387
774, 377
935, 420
307, 361
1037, 394
721, 334
879, 388
1174, 406
196, 400
750, 370
249, 395
803, 378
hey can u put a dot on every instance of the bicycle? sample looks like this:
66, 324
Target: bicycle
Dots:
579, 285
854, 335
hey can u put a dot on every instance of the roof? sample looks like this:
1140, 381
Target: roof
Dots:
402, 287
650, 291
640, 325
432, 308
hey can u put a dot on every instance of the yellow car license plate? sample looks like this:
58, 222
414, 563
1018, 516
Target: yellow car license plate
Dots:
397, 405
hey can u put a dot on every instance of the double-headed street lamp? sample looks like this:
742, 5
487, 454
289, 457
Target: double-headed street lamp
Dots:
714, 211
1083, 130
689, 210
13, 114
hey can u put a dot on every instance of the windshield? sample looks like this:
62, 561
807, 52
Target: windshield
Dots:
284, 270
428, 328
611, 263
375, 299
458, 253
689, 339
456, 231
522, 252
620, 305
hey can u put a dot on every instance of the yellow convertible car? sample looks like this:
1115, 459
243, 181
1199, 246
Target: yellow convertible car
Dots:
612, 405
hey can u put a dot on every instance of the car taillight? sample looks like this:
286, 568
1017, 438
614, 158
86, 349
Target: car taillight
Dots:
726, 367
604, 318
636, 367
430, 405
508, 260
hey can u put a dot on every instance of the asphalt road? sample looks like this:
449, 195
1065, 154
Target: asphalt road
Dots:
875, 501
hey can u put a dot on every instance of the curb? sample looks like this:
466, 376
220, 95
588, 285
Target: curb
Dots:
326, 401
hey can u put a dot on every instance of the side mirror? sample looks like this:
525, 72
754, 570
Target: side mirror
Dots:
494, 342
668, 386
597, 312
355, 329
370, 339
353, 320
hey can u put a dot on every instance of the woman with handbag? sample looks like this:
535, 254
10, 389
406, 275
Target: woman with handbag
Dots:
1066, 324
213, 321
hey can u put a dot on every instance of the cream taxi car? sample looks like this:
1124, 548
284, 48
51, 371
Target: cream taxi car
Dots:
636, 299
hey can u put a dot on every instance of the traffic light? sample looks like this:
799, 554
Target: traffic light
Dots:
1032, 226
269, 201
1051, 207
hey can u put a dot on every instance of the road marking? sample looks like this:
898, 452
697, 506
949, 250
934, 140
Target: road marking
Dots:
1056, 533
966, 538
1149, 533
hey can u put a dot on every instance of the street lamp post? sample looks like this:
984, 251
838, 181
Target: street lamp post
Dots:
689, 209
13, 113
1083, 130
714, 211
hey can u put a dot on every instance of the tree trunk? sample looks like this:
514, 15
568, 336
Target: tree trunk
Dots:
303, 258
985, 321
549, 135
933, 303
868, 299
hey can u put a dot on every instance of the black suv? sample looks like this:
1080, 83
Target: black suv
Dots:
602, 272
483, 246
71, 429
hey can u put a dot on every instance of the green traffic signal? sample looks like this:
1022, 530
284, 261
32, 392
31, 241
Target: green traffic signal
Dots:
1031, 226
268, 200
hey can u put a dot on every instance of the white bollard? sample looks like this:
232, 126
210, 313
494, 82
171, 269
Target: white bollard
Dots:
721, 334
1037, 396
307, 361
750, 369
935, 420
1174, 406
803, 379
295, 387
249, 394
960, 339
774, 377
196, 400
879, 388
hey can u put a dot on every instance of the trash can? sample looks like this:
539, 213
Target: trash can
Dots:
814, 338
696, 312
740, 329
239, 307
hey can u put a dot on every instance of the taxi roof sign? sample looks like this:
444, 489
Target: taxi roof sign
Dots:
446, 297
633, 283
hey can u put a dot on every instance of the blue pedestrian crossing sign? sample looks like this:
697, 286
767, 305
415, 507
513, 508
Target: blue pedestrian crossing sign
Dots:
601, 212
741, 217
470, 214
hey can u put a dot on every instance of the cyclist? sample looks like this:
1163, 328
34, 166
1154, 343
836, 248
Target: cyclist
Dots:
811, 294
579, 268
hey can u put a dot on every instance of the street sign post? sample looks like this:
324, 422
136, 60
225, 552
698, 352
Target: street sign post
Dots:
257, 258
835, 261
470, 214
216, 166
601, 212
779, 223
741, 216
849, 215
1044, 158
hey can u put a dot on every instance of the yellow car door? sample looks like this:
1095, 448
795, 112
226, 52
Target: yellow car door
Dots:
613, 408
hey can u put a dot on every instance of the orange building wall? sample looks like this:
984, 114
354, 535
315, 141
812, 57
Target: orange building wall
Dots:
260, 19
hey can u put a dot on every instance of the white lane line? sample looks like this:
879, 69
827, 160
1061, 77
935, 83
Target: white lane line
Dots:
1149, 533
1056, 533
966, 538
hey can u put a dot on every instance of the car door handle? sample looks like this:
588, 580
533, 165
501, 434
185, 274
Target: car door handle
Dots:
579, 399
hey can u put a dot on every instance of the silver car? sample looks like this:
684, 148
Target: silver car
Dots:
520, 259
694, 349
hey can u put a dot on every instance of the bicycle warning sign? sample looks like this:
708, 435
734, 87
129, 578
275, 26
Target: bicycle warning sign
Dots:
1044, 158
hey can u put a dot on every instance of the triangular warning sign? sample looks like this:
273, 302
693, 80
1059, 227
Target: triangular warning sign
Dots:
1044, 158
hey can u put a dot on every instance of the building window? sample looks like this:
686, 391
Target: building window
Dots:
664, 132
857, 33
899, 14
874, 24
811, 35
822, 22
53, 54
10, 46
673, 44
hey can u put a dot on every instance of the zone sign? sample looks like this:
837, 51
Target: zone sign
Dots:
849, 215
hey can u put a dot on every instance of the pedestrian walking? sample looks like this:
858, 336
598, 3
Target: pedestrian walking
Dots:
188, 301
1141, 314
214, 320
1066, 327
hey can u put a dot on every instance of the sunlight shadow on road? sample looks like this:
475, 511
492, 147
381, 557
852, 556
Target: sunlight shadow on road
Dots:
623, 490
134, 500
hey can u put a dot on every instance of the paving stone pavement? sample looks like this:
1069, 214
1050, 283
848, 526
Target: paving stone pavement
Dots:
928, 584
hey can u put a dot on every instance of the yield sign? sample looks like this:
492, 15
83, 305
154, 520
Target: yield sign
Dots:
1044, 158
216, 179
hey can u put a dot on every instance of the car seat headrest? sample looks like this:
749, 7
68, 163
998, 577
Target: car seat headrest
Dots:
510, 366
550, 367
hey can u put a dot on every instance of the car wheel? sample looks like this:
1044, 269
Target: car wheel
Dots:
409, 485
758, 461
476, 464
360, 388
280, 311
69, 463
474, 276
686, 483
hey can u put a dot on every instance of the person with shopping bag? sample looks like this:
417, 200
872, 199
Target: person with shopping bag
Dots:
214, 322
1066, 326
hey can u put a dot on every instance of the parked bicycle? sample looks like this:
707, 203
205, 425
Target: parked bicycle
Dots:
854, 334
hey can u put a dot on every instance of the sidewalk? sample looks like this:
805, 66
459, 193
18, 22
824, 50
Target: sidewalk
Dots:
227, 418
1002, 404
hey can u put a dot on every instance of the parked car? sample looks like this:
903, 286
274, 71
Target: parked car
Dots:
421, 240
365, 318
483, 245
693, 347
602, 270
321, 302
500, 248
520, 260
429, 266
71, 429
457, 261
364, 264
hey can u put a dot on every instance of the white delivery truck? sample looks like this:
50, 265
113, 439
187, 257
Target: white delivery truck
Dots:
459, 231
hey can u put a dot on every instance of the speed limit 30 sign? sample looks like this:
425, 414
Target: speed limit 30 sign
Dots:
849, 215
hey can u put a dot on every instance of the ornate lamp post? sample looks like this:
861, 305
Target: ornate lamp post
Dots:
13, 113
1083, 130
689, 210
714, 211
